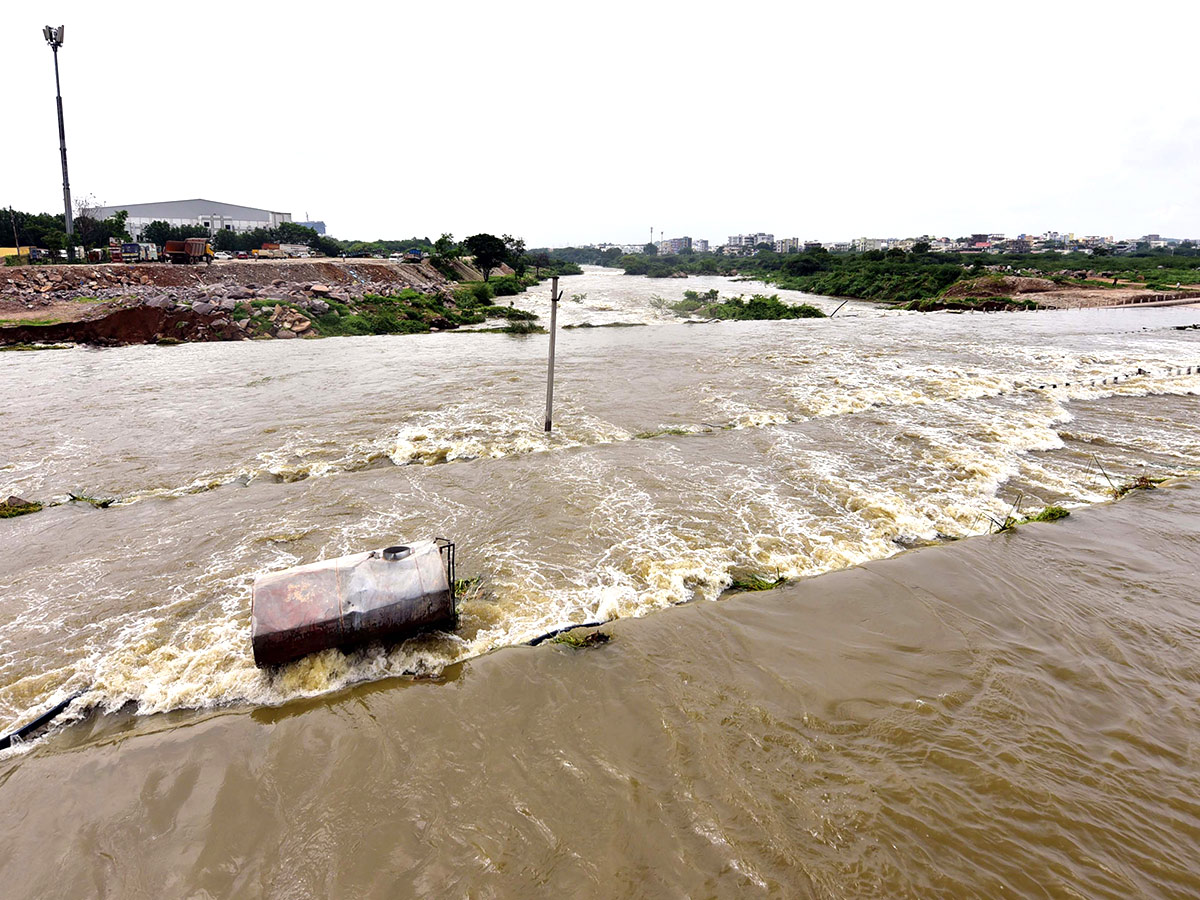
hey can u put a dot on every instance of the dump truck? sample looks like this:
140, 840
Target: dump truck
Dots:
189, 251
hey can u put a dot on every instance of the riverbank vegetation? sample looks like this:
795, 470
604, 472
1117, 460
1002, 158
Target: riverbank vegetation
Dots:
411, 312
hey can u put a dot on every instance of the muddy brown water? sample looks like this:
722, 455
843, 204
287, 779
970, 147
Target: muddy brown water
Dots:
1006, 715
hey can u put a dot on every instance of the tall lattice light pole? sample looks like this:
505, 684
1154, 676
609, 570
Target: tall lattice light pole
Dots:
54, 37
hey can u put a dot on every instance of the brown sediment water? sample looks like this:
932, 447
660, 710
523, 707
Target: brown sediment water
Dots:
1011, 714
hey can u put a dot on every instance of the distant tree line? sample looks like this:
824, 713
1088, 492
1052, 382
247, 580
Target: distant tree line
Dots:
48, 231
897, 275
489, 252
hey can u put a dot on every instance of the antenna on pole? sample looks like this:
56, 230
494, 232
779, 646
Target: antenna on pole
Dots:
555, 296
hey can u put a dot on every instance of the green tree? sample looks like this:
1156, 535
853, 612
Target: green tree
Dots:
92, 232
516, 253
650, 250
446, 248
293, 233
489, 252
326, 245
226, 240
157, 232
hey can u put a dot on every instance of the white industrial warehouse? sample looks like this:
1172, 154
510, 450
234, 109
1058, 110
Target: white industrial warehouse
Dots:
204, 213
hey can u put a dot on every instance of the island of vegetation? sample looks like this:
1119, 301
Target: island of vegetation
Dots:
709, 305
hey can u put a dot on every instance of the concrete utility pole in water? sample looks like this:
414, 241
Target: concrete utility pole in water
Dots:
54, 37
555, 296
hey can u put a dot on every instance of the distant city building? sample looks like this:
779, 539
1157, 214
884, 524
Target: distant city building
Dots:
318, 226
788, 245
750, 241
700, 245
202, 213
675, 245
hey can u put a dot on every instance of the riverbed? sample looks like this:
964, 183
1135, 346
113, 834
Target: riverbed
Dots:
973, 717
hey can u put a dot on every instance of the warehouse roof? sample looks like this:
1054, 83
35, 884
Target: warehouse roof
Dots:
187, 209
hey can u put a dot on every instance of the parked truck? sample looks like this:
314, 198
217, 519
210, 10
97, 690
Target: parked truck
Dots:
133, 252
189, 251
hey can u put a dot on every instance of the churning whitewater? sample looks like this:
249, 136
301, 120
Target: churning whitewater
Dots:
685, 456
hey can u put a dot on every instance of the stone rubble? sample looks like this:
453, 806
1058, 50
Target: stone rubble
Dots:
239, 292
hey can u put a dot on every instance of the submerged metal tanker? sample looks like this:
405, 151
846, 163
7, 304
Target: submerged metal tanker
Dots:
382, 595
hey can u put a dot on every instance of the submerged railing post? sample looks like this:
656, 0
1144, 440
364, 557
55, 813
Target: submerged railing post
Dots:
554, 298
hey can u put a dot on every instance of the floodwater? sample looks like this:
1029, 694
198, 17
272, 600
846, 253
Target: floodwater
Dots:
1013, 714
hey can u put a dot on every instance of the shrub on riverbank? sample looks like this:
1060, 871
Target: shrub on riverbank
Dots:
411, 312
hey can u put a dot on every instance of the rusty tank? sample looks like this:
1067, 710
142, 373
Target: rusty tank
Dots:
381, 595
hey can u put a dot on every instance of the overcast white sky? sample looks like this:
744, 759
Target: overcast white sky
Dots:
579, 123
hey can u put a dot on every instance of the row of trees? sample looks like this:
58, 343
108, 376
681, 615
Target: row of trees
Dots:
48, 231
489, 252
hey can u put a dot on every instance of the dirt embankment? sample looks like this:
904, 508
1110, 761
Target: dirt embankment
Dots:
1048, 293
999, 286
25, 291
116, 303
129, 325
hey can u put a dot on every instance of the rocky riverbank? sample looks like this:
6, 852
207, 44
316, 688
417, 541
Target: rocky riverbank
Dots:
156, 302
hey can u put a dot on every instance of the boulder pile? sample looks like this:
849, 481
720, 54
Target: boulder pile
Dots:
344, 280
257, 298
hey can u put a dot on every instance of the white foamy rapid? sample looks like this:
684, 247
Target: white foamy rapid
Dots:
684, 459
